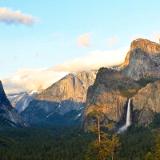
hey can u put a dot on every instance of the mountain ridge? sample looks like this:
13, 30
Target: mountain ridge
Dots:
63, 97
72, 83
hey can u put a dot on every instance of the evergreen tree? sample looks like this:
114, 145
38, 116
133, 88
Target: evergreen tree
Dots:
157, 147
105, 145
149, 156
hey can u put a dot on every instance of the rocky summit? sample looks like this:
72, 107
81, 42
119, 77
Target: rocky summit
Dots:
71, 87
142, 60
137, 78
63, 101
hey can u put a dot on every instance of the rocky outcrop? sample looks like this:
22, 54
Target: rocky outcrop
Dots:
65, 96
146, 103
142, 60
8, 115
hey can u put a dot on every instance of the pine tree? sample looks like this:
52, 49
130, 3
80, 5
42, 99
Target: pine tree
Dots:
105, 145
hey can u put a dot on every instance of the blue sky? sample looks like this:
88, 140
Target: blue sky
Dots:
54, 38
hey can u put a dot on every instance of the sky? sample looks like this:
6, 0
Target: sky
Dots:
37, 35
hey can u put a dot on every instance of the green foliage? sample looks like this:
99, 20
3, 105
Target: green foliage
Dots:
43, 144
73, 144
136, 143
156, 121
104, 150
155, 154
157, 147
149, 156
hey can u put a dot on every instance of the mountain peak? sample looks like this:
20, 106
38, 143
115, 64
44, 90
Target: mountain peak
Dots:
142, 60
72, 86
3, 97
1, 87
146, 46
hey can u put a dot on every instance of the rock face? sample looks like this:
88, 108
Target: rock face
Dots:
147, 103
71, 87
109, 95
20, 101
143, 60
66, 96
8, 115
112, 88
3, 98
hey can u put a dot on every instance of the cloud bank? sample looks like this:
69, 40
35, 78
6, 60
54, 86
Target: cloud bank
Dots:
9, 16
93, 60
38, 79
31, 80
156, 37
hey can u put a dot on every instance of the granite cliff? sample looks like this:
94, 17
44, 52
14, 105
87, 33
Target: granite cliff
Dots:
146, 103
142, 60
137, 78
65, 98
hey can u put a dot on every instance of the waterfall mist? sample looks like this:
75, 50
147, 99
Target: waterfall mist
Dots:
128, 118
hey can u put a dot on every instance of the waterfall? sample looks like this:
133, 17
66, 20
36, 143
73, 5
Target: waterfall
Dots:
128, 118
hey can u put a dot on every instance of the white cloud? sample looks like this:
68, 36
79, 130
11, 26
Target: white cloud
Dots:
93, 60
156, 37
9, 16
37, 79
84, 40
31, 79
111, 41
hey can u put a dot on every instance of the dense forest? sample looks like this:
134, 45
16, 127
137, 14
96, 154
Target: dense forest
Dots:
55, 143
